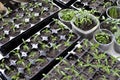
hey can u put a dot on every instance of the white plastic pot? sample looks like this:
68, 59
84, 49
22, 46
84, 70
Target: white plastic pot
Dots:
88, 33
104, 47
116, 46
118, 2
113, 15
67, 22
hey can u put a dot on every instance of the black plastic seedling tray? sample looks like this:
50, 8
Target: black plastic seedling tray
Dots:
81, 63
8, 45
50, 42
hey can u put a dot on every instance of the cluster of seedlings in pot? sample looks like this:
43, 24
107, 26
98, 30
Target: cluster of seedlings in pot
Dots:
99, 5
37, 52
24, 17
85, 62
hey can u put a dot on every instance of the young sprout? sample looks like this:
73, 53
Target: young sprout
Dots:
32, 54
67, 77
67, 43
16, 77
54, 38
42, 11
17, 16
46, 30
71, 35
43, 45
46, 76
21, 61
40, 60
107, 4
28, 68
35, 37
107, 69
59, 58
85, 42
61, 26
37, 5
51, 6
56, 46
23, 7
94, 47
116, 72
9, 10
13, 27
25, 45
32, 15
2, 36
17, 53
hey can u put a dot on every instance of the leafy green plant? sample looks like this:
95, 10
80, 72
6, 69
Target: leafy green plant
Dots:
111, 25
9, 10
60, 25
117, 36
54, 38
113, 12
28, 68
94, 47
43, 45
2, 36
16, 53
25, 45
56, 46
40, 60
103, 37
83, 19
67, 43
21, 61
46, 76
16, 77
107, 4
67, 14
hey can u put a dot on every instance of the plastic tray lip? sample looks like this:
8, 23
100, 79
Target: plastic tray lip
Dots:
1, 45
53, 59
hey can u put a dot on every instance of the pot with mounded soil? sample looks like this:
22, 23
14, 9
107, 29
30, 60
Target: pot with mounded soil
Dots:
117, 41
113, 12
104, 38
85, 24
